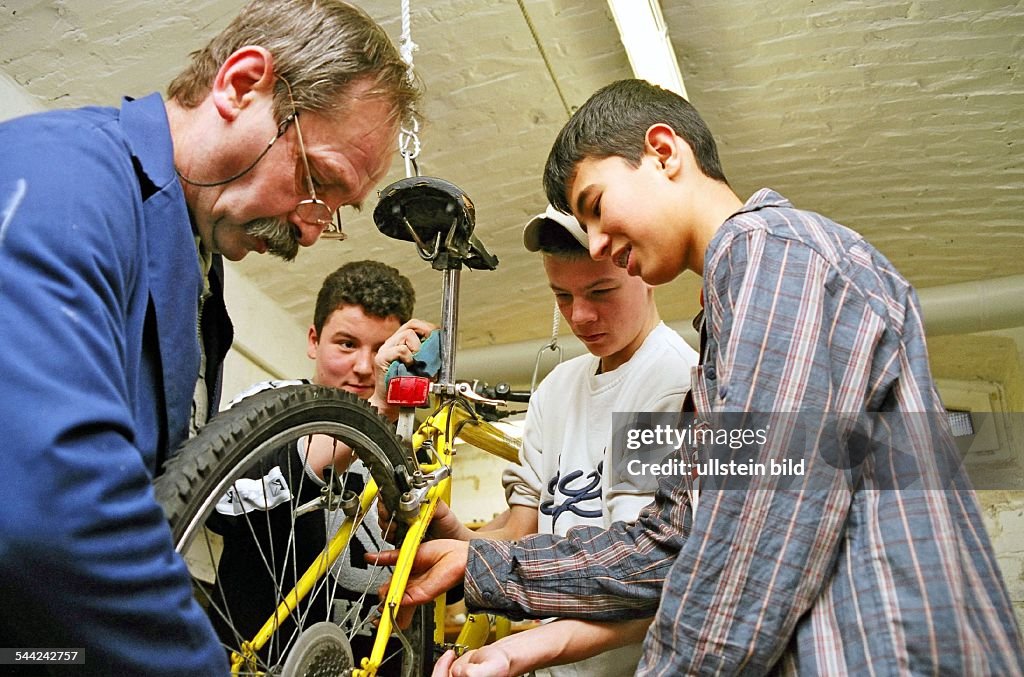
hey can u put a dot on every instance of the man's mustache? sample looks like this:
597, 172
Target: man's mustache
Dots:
280, 236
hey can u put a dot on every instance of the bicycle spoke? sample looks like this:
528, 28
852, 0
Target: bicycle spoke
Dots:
269, 541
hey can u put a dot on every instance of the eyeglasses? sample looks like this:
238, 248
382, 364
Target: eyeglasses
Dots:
281, 129
313, 209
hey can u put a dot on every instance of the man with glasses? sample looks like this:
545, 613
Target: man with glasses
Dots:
113, 225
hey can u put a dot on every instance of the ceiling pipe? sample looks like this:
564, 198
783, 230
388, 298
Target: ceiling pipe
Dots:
962, 308
514, 362
970, 307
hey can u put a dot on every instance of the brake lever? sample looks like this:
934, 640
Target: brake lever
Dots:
465, 389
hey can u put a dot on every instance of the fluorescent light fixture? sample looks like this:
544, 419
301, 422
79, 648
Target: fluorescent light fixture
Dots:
648, 46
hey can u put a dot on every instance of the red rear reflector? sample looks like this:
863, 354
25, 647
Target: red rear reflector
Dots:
409, 391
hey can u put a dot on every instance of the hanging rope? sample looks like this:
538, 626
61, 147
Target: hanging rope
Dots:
555, 320
544, 57
551, 345
408, 136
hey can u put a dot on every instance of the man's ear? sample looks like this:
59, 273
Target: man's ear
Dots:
312, 341
666, 148
244, 76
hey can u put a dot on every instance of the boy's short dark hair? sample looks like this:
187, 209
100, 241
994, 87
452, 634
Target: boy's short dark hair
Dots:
377, 288
614, 122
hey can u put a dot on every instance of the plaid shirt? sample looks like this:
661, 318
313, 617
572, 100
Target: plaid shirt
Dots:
801, 315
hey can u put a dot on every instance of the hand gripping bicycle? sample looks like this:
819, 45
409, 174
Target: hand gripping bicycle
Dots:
275, 547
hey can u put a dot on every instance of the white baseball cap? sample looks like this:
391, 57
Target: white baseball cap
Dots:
531, 234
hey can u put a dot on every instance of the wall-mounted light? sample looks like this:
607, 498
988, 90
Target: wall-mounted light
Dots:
645, 37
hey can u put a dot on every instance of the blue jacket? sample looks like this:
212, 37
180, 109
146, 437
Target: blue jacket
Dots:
99, 352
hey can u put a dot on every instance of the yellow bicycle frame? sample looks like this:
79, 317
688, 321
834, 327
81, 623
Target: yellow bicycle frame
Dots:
448, 421
305, 584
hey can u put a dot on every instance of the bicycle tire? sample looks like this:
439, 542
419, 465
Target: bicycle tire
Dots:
242, 444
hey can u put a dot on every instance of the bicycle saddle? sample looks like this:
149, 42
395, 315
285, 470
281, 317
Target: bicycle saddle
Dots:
438, 216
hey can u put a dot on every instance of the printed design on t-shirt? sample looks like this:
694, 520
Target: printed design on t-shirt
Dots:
247, 495
589, 488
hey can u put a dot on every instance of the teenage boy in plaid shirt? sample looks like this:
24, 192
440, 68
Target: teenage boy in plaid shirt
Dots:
801, 315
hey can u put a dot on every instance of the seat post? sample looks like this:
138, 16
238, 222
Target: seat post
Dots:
449, 324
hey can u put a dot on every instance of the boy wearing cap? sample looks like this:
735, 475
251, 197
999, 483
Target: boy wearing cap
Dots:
635, 364
802, 315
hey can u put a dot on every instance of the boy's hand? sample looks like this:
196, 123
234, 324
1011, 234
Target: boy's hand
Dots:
487, 661
443, 666
438, 567
445, 524
401, 346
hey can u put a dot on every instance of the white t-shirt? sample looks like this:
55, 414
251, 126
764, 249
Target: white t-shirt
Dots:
567, 444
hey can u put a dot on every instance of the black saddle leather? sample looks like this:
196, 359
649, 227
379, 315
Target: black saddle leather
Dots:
438, 216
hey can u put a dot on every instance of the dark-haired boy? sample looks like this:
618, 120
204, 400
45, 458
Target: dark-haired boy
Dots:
801, 315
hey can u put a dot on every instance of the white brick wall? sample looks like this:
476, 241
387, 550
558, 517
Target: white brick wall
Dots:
1004, 519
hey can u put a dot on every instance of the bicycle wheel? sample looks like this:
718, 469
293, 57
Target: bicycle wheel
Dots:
244, 511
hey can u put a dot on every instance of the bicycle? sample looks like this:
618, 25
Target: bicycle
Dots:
228, 467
